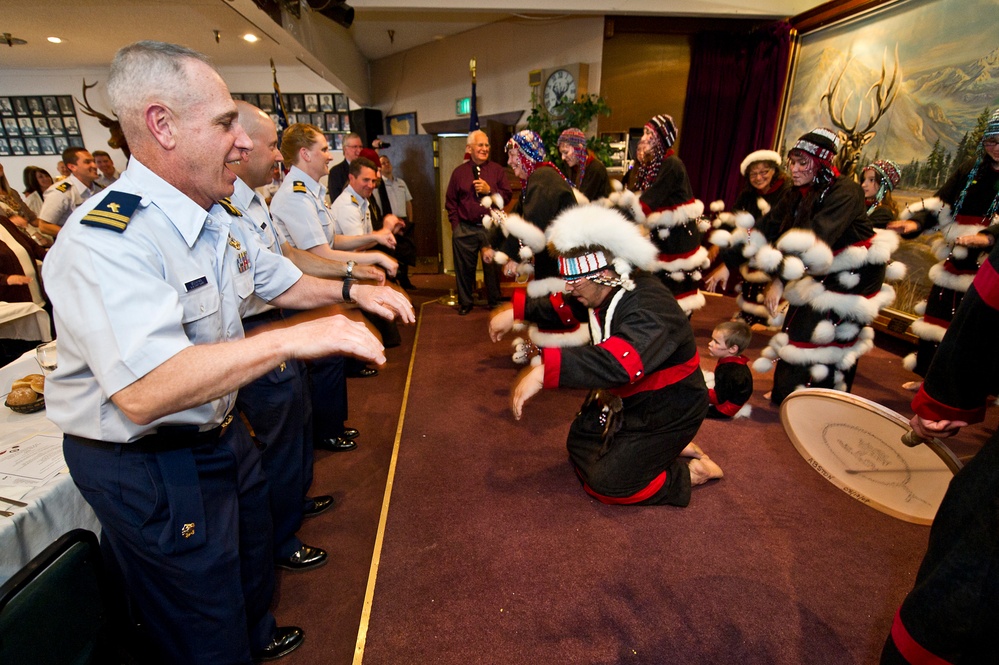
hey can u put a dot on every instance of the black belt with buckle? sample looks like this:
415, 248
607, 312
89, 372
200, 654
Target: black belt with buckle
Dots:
166, 438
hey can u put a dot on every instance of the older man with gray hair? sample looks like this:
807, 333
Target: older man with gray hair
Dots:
147, 284
470, 182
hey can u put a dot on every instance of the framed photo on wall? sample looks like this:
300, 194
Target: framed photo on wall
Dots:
16, 146
402, 123
4, 148
31, 146
66, 105
47, 145
51, 105
341, 103
6, 108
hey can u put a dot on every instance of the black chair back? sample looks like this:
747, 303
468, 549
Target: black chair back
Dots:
55, 610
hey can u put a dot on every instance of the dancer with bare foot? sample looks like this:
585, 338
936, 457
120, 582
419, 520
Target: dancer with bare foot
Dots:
631, 443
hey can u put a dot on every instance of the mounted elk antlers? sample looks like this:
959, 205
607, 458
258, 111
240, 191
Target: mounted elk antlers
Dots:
117, 139
853, 139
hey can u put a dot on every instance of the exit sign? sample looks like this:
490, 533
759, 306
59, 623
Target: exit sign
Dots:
463, 106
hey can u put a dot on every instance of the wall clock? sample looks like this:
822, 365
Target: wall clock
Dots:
559, 88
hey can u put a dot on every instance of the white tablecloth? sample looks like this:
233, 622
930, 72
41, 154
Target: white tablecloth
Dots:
54, 508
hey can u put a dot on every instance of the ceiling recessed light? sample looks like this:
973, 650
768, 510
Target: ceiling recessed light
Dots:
55, 40
250, 37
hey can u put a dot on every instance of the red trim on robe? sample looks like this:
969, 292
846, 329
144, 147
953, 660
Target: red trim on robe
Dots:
648, 211
641, 495
564, 312
914, 652
860, 243
738, 360
666, 258
949, 267
660, 379
930, 409
971, 220
625, 354
936, 322
987, 285
551, 360
519, 301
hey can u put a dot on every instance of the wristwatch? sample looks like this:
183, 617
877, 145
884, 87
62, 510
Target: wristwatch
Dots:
350, 269
347, 283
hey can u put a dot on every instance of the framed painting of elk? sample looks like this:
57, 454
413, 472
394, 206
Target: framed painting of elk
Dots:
911, 81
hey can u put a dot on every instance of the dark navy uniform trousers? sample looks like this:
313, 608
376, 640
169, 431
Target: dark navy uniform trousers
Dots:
190, 530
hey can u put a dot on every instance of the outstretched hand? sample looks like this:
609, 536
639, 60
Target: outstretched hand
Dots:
980, 240
384, 301
718, 279
335, 335
385, 237
529, 383
501, 322
772, 296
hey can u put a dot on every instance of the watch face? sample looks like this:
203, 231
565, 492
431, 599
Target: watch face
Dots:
560, 87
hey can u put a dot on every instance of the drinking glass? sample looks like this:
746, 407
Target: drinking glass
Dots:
45, 354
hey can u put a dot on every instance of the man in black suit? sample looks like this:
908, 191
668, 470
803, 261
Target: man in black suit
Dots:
352, 146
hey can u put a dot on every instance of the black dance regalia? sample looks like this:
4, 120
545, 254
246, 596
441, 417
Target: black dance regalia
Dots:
648, 395
749, 209
596, 183
671, 215
733, 386
958, 265
546, 195
951, 615
819, 241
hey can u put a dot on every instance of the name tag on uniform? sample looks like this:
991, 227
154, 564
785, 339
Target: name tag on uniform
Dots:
195, 283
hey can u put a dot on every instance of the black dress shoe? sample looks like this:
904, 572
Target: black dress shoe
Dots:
364, 373
306, 558
334, 445
464, 309
286, 639
317, 504
349, 433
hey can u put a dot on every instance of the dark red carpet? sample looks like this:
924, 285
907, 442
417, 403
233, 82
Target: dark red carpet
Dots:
492, 553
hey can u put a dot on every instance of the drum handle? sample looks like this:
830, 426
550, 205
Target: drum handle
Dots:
912, 440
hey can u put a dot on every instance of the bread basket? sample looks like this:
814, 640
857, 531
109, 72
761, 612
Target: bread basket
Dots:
30, 407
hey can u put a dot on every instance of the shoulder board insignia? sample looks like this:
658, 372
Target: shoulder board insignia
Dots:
299, 186
113, 212
354, 200
63, 186
229, 207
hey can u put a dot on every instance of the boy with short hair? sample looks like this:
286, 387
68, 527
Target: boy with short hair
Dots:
731, 384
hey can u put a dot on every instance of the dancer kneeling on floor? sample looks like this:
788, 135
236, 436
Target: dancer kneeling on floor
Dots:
631, 441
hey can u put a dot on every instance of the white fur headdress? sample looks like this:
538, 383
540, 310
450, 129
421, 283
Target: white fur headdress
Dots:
593, 229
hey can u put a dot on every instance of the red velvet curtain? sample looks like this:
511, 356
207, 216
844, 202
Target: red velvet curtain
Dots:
733, 104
